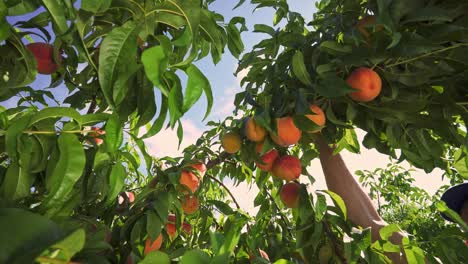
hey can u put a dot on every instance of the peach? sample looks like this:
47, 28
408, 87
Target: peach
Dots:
151, 246
259, 146
171, 227
129, 195
189, 180
289, 194
267, 160
288, 133
189, 204
231, 142
287, 168
319, 117
253, 131
200, 167
367, 83
44, 54
171, 230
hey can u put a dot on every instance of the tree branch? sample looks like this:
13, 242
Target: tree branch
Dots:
335, 243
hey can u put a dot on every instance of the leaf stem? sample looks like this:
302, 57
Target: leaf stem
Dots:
426, 55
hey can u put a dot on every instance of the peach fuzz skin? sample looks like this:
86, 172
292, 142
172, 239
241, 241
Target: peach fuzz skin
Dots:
367, 83
289, 194
288, 133
287, 168
254, 131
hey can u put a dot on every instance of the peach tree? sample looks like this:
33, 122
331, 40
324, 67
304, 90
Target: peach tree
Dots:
77, 184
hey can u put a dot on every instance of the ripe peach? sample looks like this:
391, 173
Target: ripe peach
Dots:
151, 246
130, 196
253, 131
200, 167
171, 227
288, 133
44, 54
171, 230
318, 118
96, 132
287, 168
289, 194
231, 142
189, 204
189, 180
367, 83
267, 160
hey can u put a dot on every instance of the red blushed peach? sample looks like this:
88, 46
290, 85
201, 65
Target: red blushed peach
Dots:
253, 131
287, 168
189, 204
367, 83
171, 230
267, 160
319, 117
151, 246
289, 194
189, 180
44, 54
288, 133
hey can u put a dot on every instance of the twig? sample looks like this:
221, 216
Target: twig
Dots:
221, 158
227, 189
92, 106
335, 243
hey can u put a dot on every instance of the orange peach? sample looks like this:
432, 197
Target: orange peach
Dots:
200, 167
367, 83
151, 246
319, 117
231, 142
44, 54
289, 194
254, 131
259, 146
267, 160
189, 204
171, 227
189, 180
288, 133
171, 230
287, 168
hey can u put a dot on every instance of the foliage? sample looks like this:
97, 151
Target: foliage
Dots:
414, 210
59, 187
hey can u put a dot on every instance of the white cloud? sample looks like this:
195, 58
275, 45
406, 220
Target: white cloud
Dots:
165, 142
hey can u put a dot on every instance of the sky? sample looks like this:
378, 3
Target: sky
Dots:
225, 85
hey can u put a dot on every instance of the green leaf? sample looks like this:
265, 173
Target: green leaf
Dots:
197, 82
331, 86
155, 61
12, 134
156, 257
95, 6
159, 122
66, 173
338, 201
261, 28
56, 9
320, 207
55, 112
153, 224
114, 134
299, 68
116, 182
25, 235
116, 63
18, 177
222, 207
387, 231
335, 48
195, 256
428, 13
72, 244
175, 99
